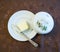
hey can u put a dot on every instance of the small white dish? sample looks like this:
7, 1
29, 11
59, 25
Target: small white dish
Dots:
15, 18
46, 22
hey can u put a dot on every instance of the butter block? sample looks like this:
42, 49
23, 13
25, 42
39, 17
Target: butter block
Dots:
22, 26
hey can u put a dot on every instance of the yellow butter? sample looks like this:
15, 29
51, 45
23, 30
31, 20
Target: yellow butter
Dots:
22, 26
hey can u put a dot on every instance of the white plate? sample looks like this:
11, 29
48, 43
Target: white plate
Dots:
45, 19
15, 18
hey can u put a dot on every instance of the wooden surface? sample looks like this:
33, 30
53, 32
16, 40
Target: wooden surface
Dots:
47, 43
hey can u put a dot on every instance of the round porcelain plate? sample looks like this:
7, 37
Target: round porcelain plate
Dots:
15, 18
43, 22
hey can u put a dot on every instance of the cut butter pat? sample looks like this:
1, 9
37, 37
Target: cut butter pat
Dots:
22, 25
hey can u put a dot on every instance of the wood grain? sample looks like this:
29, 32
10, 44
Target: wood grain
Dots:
47, 43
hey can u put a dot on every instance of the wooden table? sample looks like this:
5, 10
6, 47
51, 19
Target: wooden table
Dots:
47, 43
